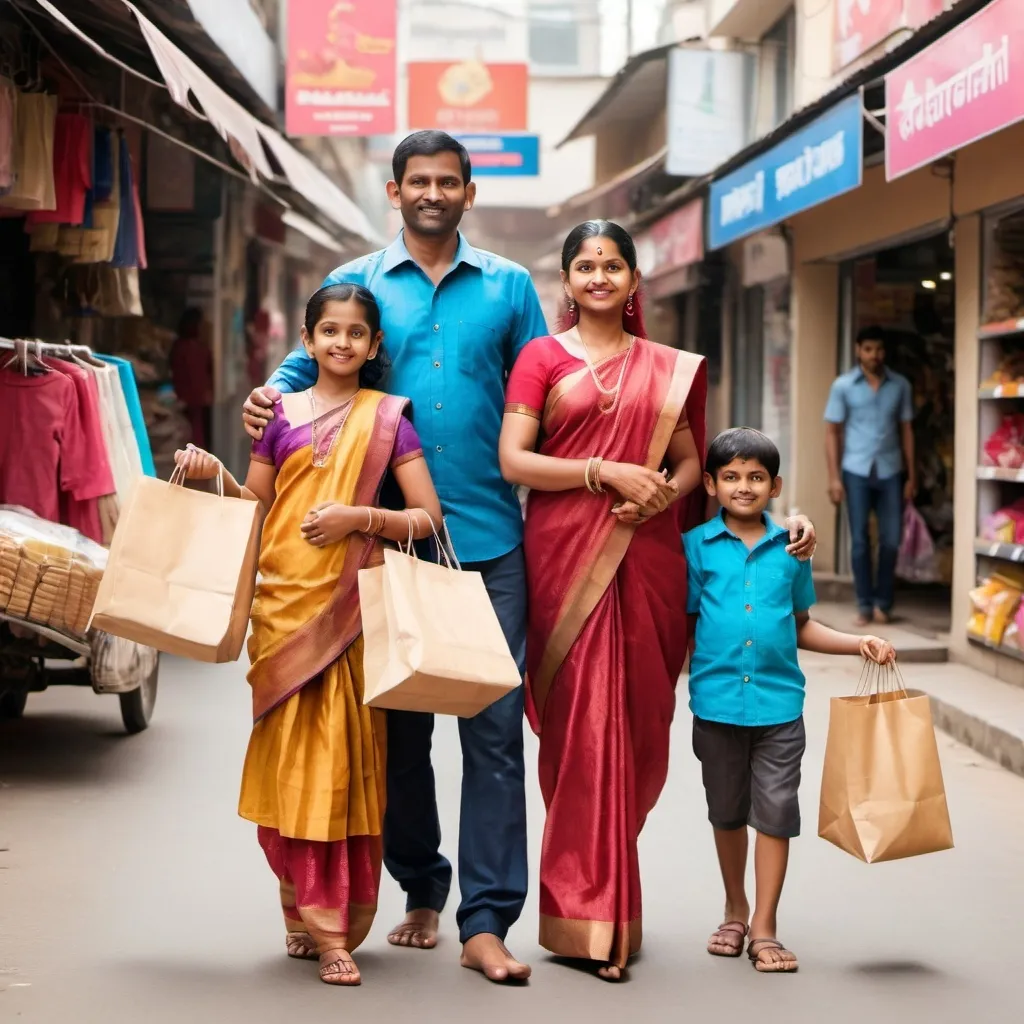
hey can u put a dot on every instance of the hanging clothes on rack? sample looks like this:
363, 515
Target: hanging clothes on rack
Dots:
34, 187
126, 374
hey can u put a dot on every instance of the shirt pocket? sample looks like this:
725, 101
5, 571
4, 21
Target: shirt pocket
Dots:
479, 349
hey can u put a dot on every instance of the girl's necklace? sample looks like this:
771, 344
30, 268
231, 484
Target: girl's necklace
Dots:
608, 398
320, 461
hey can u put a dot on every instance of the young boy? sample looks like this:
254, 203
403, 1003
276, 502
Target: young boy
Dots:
750, 600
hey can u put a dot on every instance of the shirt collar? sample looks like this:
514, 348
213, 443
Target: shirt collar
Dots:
859, 374
397, 254
717, 527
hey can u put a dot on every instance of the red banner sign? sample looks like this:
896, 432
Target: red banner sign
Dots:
860, 25
342, 67
958, 90
678, 239
468, 97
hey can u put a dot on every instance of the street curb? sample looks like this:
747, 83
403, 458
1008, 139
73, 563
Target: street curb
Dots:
987, 739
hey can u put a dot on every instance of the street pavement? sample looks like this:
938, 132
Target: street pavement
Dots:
131, 892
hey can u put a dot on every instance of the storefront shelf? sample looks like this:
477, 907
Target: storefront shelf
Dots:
1012, 476
1001, 329
1012, 390
1004, 552
1009, 650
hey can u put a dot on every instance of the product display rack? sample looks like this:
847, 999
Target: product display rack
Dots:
1001, 348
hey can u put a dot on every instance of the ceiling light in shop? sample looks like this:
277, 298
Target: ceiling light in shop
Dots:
946, 276
930, 285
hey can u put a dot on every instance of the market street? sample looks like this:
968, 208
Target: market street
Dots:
130, 891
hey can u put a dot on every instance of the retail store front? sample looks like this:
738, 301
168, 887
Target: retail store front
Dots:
909, 291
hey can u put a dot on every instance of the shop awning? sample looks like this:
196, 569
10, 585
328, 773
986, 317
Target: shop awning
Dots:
631, 174
249, 138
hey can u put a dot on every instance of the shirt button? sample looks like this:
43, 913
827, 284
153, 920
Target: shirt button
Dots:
437, 327
750, 643
437, 366
438, 406
748, 607
747, 584
746, 679
439, 448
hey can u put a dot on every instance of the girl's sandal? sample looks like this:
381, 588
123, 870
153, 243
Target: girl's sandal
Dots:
301, 946
341, 970
729, 938
783, 965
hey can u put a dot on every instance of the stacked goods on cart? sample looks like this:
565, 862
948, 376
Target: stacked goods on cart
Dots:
49, 574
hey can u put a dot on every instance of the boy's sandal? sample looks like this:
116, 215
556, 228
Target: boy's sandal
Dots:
781, 966
730, 935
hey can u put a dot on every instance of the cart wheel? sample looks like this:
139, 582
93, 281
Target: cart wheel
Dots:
12, 703
137, 706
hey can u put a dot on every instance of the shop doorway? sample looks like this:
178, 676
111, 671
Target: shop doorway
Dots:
909, 291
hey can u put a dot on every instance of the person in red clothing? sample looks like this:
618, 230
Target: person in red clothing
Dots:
192, 374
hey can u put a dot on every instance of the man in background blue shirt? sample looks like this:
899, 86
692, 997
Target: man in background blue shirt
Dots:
454, 320
869, 443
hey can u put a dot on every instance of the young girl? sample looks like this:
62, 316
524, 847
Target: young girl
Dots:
314, 773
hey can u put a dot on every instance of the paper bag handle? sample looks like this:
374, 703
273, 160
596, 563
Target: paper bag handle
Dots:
179, 475
446, 555
878, 679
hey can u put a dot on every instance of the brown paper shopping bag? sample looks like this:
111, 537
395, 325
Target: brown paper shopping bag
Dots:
882, 796
431, 639
181, 571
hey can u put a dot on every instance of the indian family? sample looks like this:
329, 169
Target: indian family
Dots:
426, 390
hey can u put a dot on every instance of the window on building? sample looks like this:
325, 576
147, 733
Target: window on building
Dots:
554, 36
778, 47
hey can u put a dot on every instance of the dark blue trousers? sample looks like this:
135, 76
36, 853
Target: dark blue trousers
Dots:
875, 588
492, 828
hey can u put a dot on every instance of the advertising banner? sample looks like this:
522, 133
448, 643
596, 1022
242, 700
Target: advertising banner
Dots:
860, 25
815, 164
957, 91
468, 97
341, 67
505, 156
675, 241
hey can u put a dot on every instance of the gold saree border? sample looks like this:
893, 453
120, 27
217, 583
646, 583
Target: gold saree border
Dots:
309, 650
604, 941
591, 584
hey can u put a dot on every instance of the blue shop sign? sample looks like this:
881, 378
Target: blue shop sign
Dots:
503, 155
821, 161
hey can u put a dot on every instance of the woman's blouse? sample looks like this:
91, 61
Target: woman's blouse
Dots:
281, 440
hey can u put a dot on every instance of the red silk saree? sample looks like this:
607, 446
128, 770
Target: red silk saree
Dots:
607, 633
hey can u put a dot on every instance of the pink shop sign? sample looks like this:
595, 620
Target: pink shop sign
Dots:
967, 85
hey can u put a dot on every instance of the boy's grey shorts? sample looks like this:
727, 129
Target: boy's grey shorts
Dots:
752, 775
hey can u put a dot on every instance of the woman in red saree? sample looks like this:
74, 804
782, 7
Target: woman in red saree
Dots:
613, 484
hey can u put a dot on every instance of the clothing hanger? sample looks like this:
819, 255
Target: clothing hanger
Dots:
25, 358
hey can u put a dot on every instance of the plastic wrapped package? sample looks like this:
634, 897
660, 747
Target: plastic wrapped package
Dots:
995, 603
49, 574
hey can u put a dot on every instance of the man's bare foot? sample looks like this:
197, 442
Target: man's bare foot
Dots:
338, 968
769, 956
301, 946
488, 955
418, 930
882, 618
611, 973
863, 619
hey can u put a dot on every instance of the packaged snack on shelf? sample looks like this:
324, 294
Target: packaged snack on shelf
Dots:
49, 574
1005, 446
1005, 526
996, 601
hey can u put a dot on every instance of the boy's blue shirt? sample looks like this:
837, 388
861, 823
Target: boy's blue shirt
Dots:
744, 669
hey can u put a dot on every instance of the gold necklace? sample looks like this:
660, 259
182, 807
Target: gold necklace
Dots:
608, 398
320, 462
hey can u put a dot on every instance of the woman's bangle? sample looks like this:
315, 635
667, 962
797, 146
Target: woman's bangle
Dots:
369, 521
592, 475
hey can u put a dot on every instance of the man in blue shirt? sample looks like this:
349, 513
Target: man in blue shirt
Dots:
454, 320
869, 444
751, 600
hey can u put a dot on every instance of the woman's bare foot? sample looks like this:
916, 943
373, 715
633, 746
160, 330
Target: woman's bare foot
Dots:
769, 956
338, 968
611, 973
863, 619
488, 955
301, 946
418, 930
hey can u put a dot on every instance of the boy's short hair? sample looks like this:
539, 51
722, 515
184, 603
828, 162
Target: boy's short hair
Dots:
742, 443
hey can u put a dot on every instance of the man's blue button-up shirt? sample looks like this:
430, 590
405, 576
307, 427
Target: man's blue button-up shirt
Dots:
451, 348
744, 668
871, 420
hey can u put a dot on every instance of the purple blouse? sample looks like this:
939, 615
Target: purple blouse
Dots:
281, 440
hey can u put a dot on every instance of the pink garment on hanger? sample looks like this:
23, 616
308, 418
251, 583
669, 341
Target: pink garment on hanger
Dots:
72, 172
